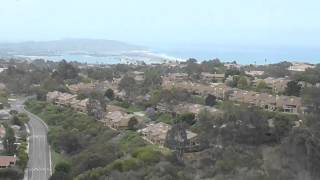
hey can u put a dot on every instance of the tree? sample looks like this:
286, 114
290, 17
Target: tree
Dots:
210, 100
11, 173
9, 141
109, 94
100, 74
232, 72
66, 70
261, 85
277, 70
69, 142
188, 118
128, 84
192, 67
60, 175
242, 82
152, 79
293, 88
311, 98
132, 123
234, 81
176, 139
311, 75
151, 112
63, 167
95, 108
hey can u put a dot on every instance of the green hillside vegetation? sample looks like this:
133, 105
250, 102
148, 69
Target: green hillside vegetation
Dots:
95, 151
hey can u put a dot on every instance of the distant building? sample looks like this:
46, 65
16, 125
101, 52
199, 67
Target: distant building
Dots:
289, 104
138, 76
254, 73
276, 84
209, 77
178, 77
232, 66
81, 87
300, 67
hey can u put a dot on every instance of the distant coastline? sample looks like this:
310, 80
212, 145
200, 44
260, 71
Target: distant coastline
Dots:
95, 51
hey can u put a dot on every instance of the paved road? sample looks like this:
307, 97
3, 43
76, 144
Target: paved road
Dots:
39, 166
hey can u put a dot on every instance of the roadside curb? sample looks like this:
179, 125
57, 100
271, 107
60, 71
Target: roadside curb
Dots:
26, 172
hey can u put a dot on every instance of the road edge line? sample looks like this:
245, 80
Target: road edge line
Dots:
50, 164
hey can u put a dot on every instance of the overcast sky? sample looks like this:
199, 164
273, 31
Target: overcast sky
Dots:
231, 22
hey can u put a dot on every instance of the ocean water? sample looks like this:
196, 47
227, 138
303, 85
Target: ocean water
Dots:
240, 55
246, 55
85, 59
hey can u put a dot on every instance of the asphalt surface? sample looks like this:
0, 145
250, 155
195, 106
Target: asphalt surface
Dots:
39, 165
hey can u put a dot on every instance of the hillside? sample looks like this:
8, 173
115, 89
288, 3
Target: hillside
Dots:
67, 46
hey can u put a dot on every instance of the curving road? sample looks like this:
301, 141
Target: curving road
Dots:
39, 165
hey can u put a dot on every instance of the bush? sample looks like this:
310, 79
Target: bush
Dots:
109, 94
11, 174
131, 164
63, 167
147, 154
188, 118
23, 156
210, 100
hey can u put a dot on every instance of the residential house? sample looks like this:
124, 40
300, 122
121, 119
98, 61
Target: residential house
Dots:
65, 99
120, 120
7, 161
232, 66
276, 84
80, 105
111, 108
289, 104
193, 108
59, 98
267, 101
220, 90
52, 96
254, 73
68, 100
177, 77
138, 76
81, 87
157, 134
163, 108
208, 77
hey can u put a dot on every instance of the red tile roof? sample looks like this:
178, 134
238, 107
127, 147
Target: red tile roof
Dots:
6, 160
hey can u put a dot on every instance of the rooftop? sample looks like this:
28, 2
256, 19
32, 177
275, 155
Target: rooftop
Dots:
7, 160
